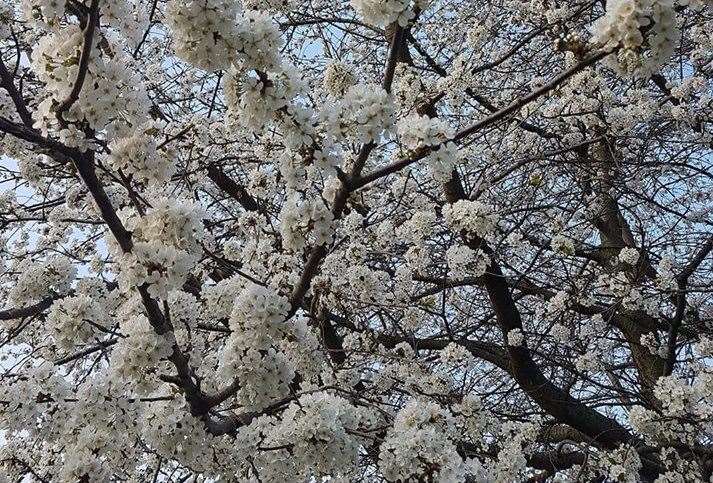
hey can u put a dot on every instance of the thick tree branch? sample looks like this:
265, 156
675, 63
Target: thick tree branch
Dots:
227, 184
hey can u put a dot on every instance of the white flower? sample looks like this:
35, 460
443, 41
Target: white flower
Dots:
384, 12
418, 131
562, 244
628, 21
465, 262
419, 444
628, 255
364, 114
167, 244
38, 280
212, 35
515, 337
74, 320
136, 356
137, 155
471, 216
338, 77
300, 219
318, 428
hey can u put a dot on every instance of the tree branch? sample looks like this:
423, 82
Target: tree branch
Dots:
84, 58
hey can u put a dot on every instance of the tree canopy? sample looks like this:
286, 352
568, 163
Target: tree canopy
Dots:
364, 240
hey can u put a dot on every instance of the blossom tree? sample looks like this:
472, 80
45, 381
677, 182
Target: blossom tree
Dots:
365, 240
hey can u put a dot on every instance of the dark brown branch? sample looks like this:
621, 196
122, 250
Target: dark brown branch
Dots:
233, 189
84, 57
696, 261
492, 119
523, 101
57, 150
85, 352
524, 369
30, 311
397, 44
9, 85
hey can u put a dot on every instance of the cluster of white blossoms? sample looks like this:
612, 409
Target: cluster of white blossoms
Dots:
419, 131
120, 14
74, 320
679, 398
253, 101
6, 15
260, 40
654, 345
563, 244
338, 77
84, 460
385, 12
635, 25
442, 161
511, 461
204, 32
473, 217
137, 355
44, 13
166, 246
466, 262
259, 315
175, 222
665, 273
456, 355
364, 113
270, 5
258, 325
419, 443
418, 227
629, 256
316, 428
219, 298
136, 155
515, 337
213, 34
128, 17
111, 97
411, 90
302, 218
38, 280
187, 439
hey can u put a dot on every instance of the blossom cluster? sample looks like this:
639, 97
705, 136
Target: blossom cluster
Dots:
39, 280
316, 426
137, 355
338, 77
254, 101
626, 23
474, 217
258, 325
136, 155
384, 12
213, 34
112, 96
464, 262
166, 247
419, 444
74, 320
301, 219
418, 131
362, 115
